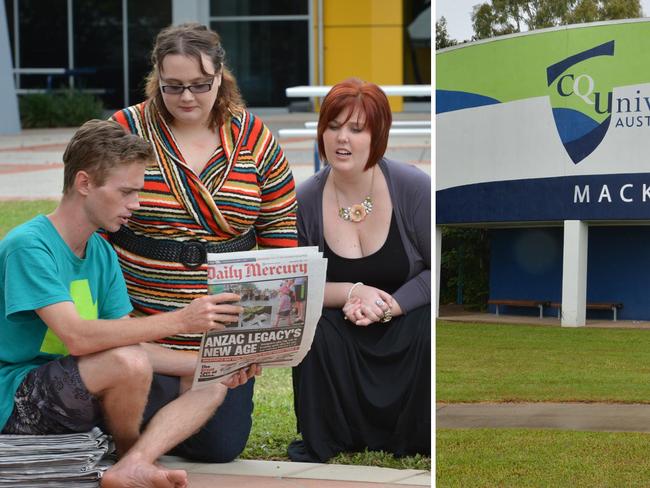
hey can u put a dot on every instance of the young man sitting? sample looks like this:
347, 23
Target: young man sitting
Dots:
70, 358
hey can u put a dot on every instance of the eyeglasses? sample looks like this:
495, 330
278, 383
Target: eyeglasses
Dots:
178, 89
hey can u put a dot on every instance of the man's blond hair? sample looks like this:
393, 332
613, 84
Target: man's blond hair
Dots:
100, 146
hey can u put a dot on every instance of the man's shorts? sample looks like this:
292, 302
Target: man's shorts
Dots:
52, 399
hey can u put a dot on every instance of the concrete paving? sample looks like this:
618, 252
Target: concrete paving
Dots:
31, 162
608, 417
279, 474
490, 318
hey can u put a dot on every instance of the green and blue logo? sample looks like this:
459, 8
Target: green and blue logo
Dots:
582, 105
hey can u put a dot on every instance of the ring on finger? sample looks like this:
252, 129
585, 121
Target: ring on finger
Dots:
379, 302
387, 317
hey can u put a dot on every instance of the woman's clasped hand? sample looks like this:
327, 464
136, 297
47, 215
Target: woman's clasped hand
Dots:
368, 304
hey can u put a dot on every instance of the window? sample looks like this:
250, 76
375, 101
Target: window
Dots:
258, 7
267, 46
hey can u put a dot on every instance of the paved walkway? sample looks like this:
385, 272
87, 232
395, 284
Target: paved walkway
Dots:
607, 417
490, 318
275, 474
31, 162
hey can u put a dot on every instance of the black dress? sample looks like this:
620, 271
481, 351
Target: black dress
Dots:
368, 386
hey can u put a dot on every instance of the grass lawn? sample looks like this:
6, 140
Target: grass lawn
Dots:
274, 423
498, 363
541, 458
13, 213
274, 427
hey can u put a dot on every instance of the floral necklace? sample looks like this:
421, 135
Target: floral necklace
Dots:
357, 212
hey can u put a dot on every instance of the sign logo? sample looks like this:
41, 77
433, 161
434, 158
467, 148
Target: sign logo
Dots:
581, 107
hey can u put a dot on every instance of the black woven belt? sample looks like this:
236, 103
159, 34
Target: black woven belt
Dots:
191, 254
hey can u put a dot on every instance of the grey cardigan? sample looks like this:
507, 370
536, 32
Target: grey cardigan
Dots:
410, 193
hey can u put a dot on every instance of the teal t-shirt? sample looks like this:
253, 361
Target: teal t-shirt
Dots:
37, 269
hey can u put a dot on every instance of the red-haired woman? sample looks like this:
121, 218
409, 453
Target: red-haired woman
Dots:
366, 383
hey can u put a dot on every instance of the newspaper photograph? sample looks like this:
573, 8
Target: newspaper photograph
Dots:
281, 293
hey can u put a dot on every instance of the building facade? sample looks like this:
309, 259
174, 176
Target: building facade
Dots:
103, 46
543, 138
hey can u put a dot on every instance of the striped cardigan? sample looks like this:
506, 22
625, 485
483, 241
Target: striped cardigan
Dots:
231, 195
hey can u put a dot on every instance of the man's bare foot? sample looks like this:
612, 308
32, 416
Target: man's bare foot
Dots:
137, 475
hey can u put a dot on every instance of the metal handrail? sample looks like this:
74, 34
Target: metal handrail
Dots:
389, 90
394, 131
396, 124
39, 71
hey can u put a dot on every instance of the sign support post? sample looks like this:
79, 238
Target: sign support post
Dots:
574, 273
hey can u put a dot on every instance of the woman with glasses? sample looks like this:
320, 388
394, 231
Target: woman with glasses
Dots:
220, 184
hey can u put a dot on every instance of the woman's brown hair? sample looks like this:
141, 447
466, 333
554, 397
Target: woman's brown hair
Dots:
193, 40
371, 101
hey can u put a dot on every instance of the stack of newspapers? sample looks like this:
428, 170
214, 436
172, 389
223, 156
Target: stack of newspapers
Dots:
70, 460
281, 292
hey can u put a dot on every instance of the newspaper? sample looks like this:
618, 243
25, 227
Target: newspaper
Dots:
282, 295
68, 460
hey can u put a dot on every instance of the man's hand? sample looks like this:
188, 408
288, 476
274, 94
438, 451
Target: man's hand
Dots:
210, 312
83, 336
243, 375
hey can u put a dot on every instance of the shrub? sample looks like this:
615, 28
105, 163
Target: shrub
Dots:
69, 108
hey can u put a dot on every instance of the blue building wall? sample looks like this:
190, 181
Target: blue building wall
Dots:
618, 267
526, 264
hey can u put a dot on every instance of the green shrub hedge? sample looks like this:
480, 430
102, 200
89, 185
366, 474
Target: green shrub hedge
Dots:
69, 108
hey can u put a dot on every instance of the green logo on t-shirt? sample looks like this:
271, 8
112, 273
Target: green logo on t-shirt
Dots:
87, 309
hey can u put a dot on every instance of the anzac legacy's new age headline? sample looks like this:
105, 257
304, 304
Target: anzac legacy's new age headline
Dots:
281, 292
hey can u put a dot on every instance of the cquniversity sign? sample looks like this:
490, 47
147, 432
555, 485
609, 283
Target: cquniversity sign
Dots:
545, 126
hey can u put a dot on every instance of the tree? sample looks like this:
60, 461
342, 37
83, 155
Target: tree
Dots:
594, 10
442, 36
464, 267
499, 17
